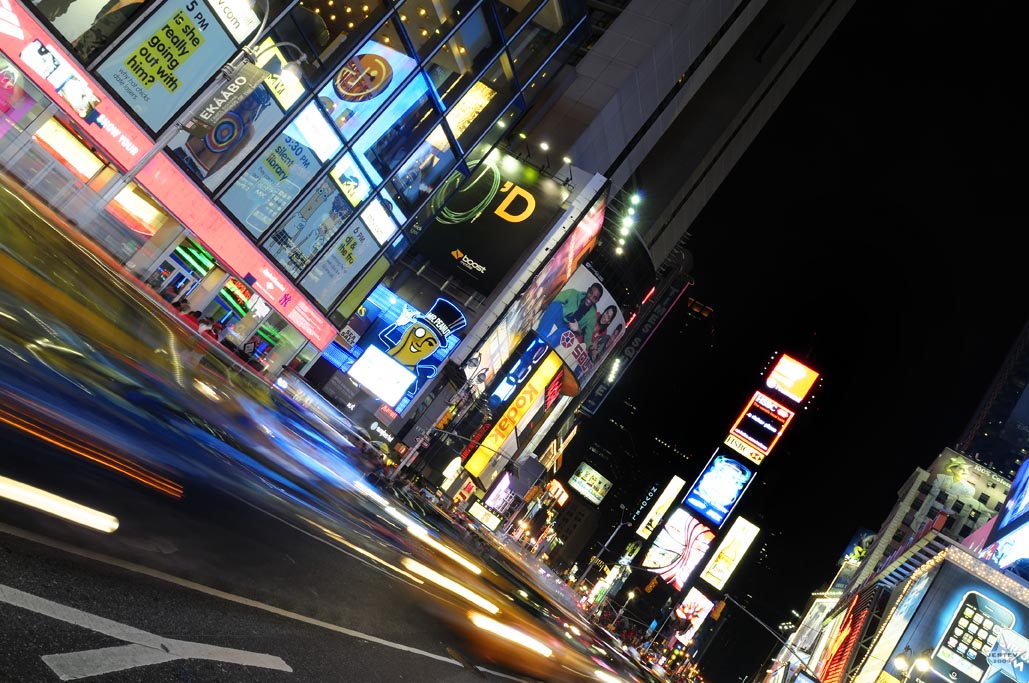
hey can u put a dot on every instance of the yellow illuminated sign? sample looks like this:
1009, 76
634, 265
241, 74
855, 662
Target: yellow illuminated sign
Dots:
791, 378
729, 553
530, 394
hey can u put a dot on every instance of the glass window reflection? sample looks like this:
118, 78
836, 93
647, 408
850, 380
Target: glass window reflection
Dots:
471, 48
426, 23
418, 178
531, 47
392, 137
326, 30
483, 102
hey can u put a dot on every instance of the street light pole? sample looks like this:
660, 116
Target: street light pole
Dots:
621, 610
610, 538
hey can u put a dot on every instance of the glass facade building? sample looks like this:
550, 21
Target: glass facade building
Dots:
323, 132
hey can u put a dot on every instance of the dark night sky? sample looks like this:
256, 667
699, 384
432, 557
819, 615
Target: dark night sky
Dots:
872, 224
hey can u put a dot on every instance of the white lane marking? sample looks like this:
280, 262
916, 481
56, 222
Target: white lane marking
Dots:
161, 576
74, 665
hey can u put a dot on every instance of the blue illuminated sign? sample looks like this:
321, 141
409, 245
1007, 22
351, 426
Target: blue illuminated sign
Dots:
718, 488
417, 341
535, 351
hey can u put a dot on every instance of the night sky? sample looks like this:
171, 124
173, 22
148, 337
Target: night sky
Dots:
871, 230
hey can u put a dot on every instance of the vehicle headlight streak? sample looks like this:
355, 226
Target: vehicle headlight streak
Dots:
508, 633
428, 540
450, 585
53, 504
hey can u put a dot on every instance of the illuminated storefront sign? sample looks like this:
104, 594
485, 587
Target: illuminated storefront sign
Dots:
52, 70
590, 483
718, 488
759, 427
656, 511
555, 489
529, 396
191, 207
729, 553
489, 519
679, 547
791, 378
167, 59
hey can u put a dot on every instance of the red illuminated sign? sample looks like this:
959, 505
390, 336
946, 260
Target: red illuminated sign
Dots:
759, 427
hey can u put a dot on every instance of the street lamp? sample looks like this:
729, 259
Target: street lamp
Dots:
621, 523
621, 610
904, 662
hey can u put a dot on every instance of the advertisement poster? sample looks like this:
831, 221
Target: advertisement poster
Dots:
89, 25
590, 483
294, 242
522, 314
338, 266
403, 337
499, 212
167, 60
971, 630
582, 323
678, 548
729, 553
263, 192
693, 610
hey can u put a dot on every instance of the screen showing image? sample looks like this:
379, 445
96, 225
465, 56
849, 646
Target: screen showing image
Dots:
381, 375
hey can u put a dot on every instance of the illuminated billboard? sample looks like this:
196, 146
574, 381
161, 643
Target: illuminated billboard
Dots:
730, 551
694, 610
523, 405
759, 427
589, 483
481, 231
679, 547
409, 344
970, 623
582, 323
522, 314
668, 496
791, 378
718, 488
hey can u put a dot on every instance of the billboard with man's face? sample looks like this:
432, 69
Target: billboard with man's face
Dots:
582, 323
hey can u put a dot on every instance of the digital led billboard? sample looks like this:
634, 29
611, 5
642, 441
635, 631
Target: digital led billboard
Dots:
590, 483
719, 487
791, 378
656, 511
973, 630
522, 314
729, 553
693, 610
678, 548
410, 344
759, 427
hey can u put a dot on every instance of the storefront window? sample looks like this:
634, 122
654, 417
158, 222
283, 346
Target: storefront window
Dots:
278, 175
295, 241
337, 266
463, 57
427, 22
533, 45
392, 137
483, 102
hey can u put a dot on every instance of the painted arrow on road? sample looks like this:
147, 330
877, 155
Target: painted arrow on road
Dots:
144, 648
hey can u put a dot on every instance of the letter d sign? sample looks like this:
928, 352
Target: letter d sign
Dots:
515, 191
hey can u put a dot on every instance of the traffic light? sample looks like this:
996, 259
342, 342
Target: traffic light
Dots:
716, 611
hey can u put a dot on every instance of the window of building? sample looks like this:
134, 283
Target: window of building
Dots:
984, 498
423, 171
399, 129
454, 66
924, 487
534, 43
958, 506
965, 531
319, 217
326, 30
427, 23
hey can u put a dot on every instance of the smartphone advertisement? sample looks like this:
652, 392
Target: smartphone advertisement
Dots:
971, 632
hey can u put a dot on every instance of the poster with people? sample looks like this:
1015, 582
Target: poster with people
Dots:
582, 323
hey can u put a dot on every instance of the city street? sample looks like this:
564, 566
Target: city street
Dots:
166, 515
